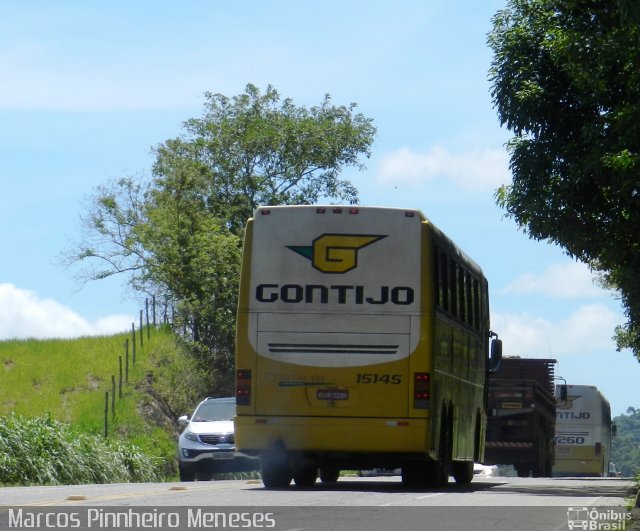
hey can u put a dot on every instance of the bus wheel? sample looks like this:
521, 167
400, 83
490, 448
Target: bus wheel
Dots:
438, 473
305, 476
275, 470
462, 472
416, 474
329, 475
523, 470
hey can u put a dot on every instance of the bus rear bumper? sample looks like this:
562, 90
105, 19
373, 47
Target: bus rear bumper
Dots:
332, 435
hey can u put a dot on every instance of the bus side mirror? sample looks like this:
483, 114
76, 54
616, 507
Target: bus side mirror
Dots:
563, 394
614, 430
495, 357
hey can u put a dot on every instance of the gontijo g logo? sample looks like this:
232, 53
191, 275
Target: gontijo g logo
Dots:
335, 253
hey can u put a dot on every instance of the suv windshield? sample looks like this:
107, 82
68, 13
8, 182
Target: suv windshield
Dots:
214, 410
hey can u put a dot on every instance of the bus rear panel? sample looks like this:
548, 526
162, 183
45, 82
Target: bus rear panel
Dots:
327, 325
337, 330
583, 432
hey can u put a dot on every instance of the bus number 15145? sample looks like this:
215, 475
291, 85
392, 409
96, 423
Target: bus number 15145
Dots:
372, 378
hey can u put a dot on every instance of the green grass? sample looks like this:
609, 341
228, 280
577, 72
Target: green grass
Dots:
66, 380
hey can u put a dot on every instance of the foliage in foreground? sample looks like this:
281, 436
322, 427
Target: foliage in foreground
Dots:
43, 451
565, 81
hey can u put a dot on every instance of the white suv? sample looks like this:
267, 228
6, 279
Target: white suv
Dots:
207, 444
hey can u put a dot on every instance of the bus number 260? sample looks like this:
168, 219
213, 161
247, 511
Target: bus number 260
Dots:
370, 378
569, 439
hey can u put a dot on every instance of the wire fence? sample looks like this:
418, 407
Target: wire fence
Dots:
133, 345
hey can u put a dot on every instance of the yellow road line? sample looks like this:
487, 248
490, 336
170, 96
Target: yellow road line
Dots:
74, 499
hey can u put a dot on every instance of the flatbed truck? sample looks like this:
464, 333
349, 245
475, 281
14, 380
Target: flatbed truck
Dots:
521, 416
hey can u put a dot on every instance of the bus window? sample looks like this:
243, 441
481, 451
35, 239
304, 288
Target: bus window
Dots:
453, 287
469, 293
464, 313
437, 277
476, 304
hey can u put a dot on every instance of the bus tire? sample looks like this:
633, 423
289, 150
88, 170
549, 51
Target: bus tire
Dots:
462, 472
275, 471
305, 475
440, 468
329, 474
438, 473
416, 474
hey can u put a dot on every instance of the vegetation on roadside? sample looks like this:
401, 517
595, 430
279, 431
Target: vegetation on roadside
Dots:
56, 389
43, 451
625, 447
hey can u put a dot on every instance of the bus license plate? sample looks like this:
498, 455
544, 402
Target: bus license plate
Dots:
333, 394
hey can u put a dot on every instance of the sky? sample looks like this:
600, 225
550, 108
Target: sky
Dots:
89, 89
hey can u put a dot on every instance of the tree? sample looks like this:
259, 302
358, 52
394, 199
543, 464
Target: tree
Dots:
178, 234
566, 82
625, 447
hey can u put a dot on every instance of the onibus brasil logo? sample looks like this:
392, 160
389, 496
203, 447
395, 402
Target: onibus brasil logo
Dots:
335, 253
598, 518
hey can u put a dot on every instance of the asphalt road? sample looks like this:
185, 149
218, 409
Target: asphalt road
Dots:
351, 504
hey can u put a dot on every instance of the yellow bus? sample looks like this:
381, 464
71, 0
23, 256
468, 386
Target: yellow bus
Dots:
583, 432
362, 342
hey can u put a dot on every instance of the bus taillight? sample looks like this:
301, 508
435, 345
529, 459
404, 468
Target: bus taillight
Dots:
243, 387
421, 390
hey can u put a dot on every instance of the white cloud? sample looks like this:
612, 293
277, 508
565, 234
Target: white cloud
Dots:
570, 280
588, 329
24, 315
476, 170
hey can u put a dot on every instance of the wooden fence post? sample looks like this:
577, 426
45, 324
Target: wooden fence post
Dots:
126, 360
146, 307
133, 343
141, 330
106, 414
113, 396
120, 377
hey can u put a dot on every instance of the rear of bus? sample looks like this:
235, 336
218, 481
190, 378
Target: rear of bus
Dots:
583, 432
333, 364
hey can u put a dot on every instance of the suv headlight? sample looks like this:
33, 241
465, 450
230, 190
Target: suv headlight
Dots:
191, 436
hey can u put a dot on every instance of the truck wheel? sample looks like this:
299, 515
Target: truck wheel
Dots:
275, 470
462, 472
329, 475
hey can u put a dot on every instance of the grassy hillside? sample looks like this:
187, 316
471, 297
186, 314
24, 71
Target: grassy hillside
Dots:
67, 380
